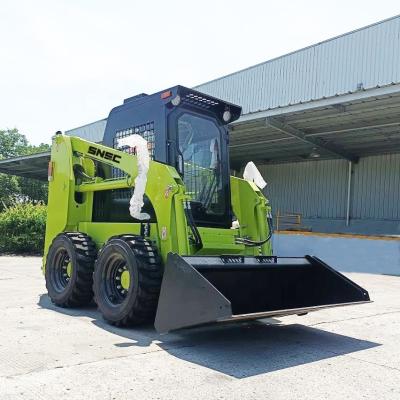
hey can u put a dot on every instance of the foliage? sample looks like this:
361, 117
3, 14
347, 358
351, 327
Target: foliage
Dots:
22, 229
18, 189
9, 190
41, 148
12, 143
32, 190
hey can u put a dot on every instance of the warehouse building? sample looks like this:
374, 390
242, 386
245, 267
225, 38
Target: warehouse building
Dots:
323, 125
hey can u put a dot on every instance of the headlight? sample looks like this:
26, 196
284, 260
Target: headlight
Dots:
176, 100
226, 116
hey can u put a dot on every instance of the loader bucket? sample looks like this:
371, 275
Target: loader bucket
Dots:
204, 289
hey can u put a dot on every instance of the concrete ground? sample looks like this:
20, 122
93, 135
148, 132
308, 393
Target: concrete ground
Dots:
52, 353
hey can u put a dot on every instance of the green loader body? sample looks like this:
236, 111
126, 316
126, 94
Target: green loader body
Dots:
182, 267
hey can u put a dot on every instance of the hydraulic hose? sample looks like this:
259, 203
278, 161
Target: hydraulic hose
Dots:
192, 224
253, 243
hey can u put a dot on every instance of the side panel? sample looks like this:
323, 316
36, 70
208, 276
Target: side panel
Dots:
100, 232
219, 241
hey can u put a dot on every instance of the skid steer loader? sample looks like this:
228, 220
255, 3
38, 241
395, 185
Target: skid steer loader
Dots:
180, 262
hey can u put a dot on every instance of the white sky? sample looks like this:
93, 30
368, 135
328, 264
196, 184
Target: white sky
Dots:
67, 63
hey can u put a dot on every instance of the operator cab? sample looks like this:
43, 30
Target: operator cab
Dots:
187, 130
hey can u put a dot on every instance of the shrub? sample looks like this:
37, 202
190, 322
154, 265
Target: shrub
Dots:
22, 229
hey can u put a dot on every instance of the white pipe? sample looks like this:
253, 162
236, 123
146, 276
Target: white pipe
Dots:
348, 193
143, 159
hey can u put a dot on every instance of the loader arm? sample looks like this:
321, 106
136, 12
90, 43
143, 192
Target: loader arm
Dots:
66, 209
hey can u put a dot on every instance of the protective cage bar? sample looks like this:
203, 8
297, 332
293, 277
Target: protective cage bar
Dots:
206, 289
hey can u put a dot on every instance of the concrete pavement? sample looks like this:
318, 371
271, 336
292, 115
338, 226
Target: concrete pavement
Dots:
52, 353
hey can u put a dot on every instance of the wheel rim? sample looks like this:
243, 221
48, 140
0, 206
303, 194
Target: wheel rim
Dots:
62, 269
117, 282
125, 279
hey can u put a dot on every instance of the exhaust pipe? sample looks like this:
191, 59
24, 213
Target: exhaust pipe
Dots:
199, 290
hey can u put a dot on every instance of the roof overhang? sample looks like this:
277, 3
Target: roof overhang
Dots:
347, 126
32, 166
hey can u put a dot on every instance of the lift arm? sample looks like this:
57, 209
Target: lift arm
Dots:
165, 190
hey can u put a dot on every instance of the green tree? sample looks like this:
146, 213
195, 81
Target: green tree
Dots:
9, 190
12, 143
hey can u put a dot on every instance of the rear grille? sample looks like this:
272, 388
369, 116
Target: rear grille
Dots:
146, 131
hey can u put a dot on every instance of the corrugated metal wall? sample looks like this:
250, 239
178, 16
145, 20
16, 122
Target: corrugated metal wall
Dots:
377, 188
318, 189
370, 56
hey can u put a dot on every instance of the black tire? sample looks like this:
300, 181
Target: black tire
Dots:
136, 304
69, 269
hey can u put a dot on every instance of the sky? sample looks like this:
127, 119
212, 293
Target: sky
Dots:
64, 63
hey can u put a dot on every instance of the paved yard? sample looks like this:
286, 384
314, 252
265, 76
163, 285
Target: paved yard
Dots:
52, 353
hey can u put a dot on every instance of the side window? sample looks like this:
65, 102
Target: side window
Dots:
199, 141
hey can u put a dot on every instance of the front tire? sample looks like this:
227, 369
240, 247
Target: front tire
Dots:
127, 280
69, 269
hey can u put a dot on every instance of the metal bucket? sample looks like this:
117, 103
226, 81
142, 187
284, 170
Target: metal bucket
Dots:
204, 289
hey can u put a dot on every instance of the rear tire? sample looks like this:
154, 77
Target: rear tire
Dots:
69, 269
127, 280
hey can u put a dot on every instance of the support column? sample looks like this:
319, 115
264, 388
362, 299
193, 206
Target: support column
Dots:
349, 193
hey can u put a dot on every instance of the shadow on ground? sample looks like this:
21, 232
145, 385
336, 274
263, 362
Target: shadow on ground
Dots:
236, 349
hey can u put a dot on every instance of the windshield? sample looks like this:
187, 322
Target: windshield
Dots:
199, 141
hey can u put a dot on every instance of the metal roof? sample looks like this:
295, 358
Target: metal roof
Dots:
359, 60
93, 131
336, 99
31, 166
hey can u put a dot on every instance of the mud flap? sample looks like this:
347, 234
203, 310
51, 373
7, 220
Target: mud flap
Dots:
205, 289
